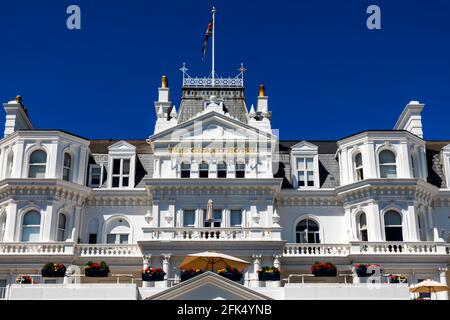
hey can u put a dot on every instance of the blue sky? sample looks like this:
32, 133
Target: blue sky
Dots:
327, 76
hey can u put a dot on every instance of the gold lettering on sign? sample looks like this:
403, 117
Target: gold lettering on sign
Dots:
232, 150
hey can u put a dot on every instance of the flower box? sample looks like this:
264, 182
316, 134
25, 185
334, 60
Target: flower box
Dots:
96, 273
96, 270
264, 276
323, 269
231, 275
53, 270
269, 274
53, 274
24, 279
153, 277
361, 269
189, 274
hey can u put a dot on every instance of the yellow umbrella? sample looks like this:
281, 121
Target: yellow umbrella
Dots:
212, 261
428, 286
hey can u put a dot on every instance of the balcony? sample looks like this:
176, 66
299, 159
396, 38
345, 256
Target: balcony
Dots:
212, 234
365, 248
69, 248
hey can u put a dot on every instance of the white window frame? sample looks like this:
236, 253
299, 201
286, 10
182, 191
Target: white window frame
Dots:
194, 224
305, 149
120, 175
122, 150
64, 231
242, 220
64, 167
96, 166
37, 164
117, 239
397, 168
359, 168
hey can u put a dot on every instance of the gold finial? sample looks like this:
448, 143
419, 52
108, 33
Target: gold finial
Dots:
164, 82
262, 91
18, 99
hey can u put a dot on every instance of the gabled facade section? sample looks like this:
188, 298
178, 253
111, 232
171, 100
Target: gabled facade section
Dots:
122, 164
305, 166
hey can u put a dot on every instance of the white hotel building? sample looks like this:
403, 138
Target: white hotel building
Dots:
374, 197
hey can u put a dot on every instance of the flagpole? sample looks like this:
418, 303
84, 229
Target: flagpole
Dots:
212, 55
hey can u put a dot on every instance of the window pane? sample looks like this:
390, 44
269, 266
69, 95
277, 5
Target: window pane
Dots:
310, 178
125, 181
95, 170
126, 166
62, 221
188, 218
92, 238
116, 166
115, 182
217, 214
387, 156
392, 218
358, 160
235, 217
95, 181
38, 156
36, 171
394, 234
309, 164
110, 238
124, 238
66, 174
301, 163
67, 160
388, 171
32, 218
30, 234
61, 234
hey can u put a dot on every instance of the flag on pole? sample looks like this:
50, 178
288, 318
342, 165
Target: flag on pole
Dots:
209, 31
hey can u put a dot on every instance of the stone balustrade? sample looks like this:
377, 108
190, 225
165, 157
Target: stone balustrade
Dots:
108, 250
37, 248
363, 248
316, 249
212, 234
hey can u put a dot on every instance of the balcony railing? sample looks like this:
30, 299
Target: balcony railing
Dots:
29, 248
313, 249
366, 248
108, 250
212, 234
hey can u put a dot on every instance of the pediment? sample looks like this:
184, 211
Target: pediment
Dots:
210, 127
209, 286
122, 146
305, 146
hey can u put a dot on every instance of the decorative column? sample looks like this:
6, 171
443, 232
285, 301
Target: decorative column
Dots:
253, 279
443, 279
166, 268
146, 263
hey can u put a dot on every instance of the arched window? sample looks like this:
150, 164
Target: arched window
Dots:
362, 227
67, 166
2, 227
393, 226
118, 232
240, 170
185, 170
9, 164
203, 170
388, 165
307, 231
61, 227
359, 172
38, 164
31, 226
221, 170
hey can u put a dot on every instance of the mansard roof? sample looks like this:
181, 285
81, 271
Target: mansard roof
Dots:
193, 100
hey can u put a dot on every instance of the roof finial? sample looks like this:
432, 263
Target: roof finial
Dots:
262, 91
18, 99
164, 82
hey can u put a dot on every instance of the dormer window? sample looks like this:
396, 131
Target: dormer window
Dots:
305, 165
388, 164
185, 169
305, 172
121, 173
121, 166
359, 172
95, 175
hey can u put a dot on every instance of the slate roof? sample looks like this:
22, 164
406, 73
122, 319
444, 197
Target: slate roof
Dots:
193, 100
328, 164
